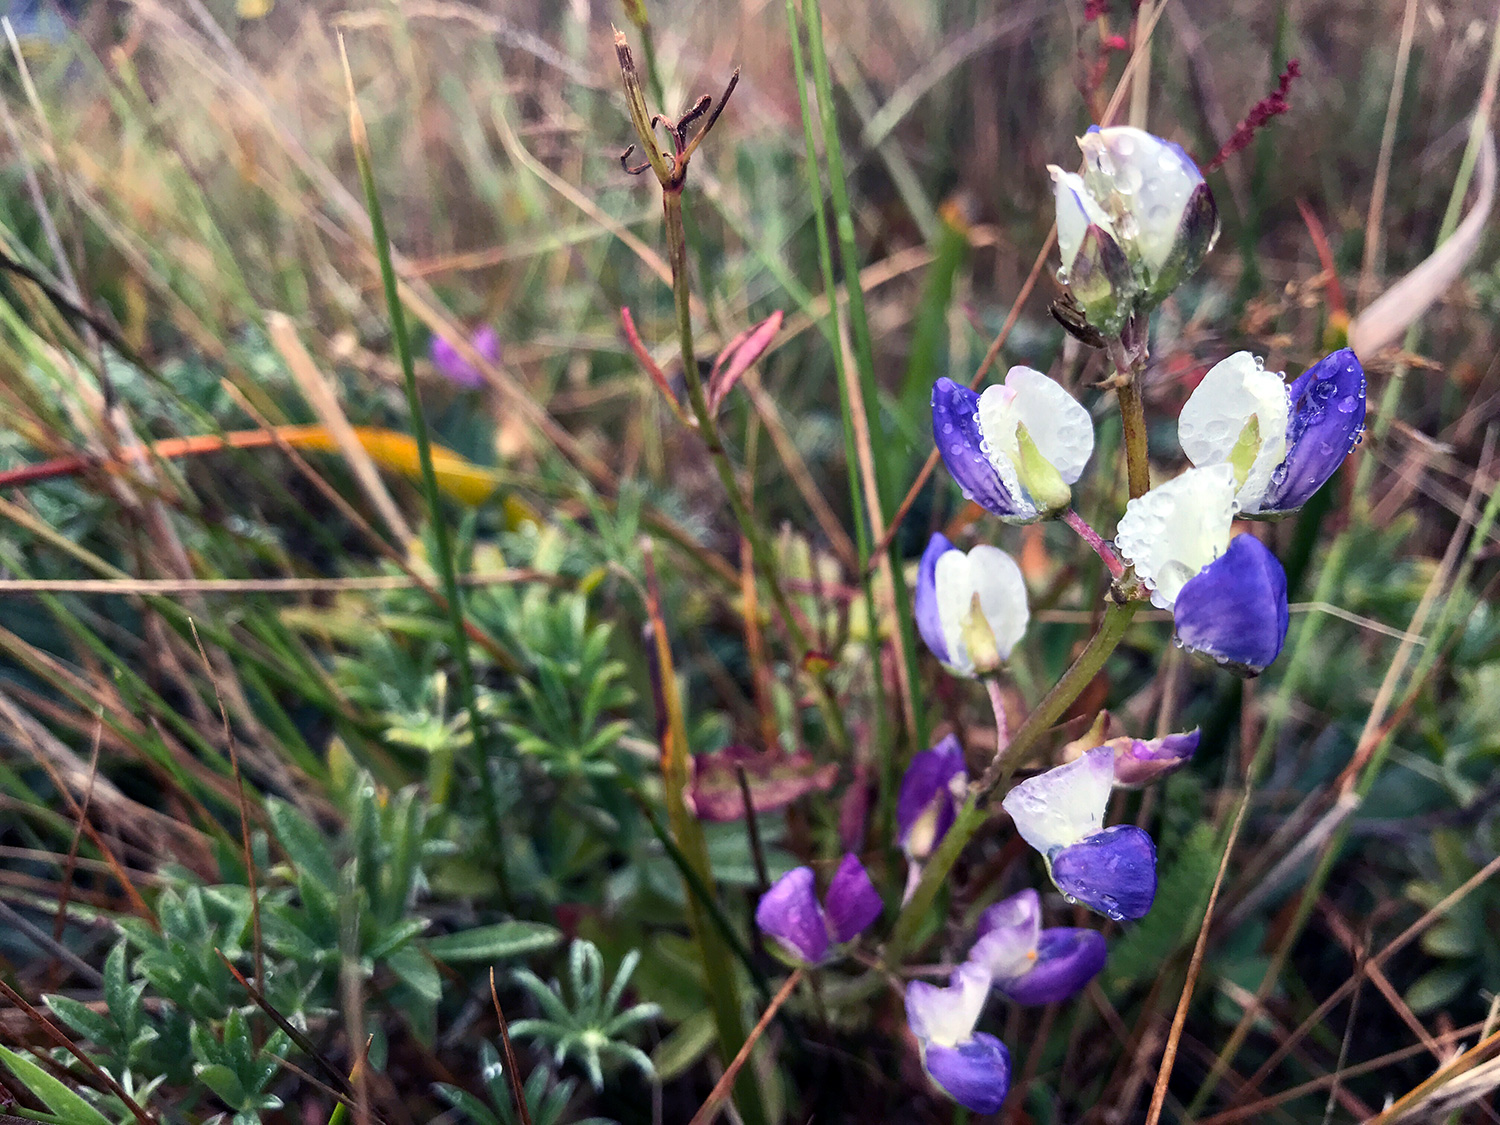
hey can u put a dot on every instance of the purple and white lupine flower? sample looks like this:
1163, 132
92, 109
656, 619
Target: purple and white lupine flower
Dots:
454, 367
971, 1067
807, 931
932, 790
1164, 217
1228, 598
1139, 762
1060, 813
1016, 448
970, 606
1031, 965
1283, 440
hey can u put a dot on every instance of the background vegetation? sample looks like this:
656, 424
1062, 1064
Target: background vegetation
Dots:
240, 745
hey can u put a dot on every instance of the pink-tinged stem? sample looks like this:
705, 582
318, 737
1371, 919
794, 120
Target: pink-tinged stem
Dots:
1002, 724
1105, 552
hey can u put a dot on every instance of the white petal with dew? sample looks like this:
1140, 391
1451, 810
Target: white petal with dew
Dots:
1215, 414
1060, 807
1152, 181
1056, 421
1076, 212
1177, 529
946, 1016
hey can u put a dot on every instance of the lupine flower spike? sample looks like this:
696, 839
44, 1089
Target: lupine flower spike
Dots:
454, 367
1283, 441
1031, 965
1015, 449
1228, 597
971, 1067
806, 931
970, 607
1060, 813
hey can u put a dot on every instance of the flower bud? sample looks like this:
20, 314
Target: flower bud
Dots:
1163, 215
1094, 267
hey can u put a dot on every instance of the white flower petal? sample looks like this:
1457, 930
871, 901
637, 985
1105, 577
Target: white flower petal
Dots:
1177, 529
946, 1016
1216, 413
1076, 212
1154, 180
1057, 423
996, 578
1060, 807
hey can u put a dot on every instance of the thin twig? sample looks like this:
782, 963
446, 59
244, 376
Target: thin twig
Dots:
1195, 966
710, 1108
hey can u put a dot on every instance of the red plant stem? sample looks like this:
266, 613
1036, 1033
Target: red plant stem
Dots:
1096, 541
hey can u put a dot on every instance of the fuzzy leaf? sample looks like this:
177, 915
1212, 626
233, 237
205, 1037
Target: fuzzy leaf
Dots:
493, 943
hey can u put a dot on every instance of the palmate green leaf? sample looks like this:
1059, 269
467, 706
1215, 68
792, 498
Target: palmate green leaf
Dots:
70, 1108
493, 943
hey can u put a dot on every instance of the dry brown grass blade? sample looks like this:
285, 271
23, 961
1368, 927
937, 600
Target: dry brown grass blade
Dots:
257, 949
1195, 966
324, 400
512, 1068
1480, 1059
1383, 164
1399, 306
712, 1105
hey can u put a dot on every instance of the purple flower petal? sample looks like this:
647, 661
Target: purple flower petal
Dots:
789, 912
1138, 762
955, 428
975, 1074
926, 805
1234, 609
1328, 417
925, 600
1021, 912
1008, 933
1112, 872
851, 902
1066, 960
455, 367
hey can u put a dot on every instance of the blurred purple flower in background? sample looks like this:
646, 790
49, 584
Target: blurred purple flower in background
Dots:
456, 369
805, 930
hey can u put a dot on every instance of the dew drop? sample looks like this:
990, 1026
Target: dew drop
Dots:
1062, 276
